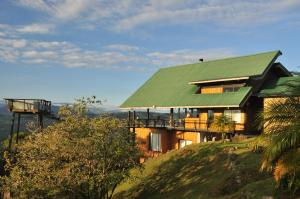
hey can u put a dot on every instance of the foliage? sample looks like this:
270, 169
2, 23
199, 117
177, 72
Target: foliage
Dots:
223, 124
206, 170
79, 157
281, 122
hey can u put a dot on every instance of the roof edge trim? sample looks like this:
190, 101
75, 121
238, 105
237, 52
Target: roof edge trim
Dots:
165, 107
218, 80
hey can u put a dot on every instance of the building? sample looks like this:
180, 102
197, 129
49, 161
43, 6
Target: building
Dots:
194, 94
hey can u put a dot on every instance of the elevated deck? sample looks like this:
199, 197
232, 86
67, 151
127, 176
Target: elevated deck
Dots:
180, 125
30, 106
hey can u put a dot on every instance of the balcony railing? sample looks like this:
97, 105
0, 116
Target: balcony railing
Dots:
188, 124
29, 105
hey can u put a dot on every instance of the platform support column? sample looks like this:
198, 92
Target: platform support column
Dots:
18, 127
11, 131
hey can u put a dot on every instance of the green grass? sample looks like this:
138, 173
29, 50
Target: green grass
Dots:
210, 170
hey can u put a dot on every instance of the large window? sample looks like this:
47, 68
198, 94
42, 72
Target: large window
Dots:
235, 115
210, 115
155, 141
231, 89
183, 143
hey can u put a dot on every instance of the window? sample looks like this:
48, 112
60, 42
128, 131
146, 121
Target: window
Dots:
210, 115
183, 143
155, 141
231, 89
235, 115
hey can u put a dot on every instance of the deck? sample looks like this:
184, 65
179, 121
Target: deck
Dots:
180, 125
32, 106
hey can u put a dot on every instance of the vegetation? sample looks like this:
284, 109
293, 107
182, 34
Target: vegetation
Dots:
281, 120
206, 170
223, 124
79, 157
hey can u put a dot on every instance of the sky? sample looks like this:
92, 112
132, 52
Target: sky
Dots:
61, 50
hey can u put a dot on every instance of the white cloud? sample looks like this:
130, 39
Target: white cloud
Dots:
17, 30
12, 43
119, 57
187, 56
36, 28
63, 9
130, 14
122, 47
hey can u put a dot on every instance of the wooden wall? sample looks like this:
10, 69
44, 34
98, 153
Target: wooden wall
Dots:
212, 89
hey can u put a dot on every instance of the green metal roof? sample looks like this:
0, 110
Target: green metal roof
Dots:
169, 87
280, 87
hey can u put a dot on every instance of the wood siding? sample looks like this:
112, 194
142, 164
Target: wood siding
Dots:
214, 89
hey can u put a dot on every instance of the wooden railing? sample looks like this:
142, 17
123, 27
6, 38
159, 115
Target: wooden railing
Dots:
182, 124
29, 105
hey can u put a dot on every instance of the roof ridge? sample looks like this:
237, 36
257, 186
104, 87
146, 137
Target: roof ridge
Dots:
221, 59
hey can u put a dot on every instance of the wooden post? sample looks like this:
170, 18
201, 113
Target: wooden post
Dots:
11, 131
133, 127
40, 120
171, 117
148, 117
192, 112
129, 118
18, 128
185, 112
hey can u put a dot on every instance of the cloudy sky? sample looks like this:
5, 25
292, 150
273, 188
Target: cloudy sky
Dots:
65, 49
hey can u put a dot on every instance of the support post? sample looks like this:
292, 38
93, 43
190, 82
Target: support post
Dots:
171, 117
133, 128
18, 128
11, 131
129, 119
148, 117
185, 112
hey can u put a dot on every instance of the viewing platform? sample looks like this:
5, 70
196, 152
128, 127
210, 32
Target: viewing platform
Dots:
30, 106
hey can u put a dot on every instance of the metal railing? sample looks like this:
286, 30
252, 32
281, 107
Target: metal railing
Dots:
181, 124
29, 105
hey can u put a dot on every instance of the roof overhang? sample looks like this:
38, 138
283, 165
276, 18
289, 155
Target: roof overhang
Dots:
218, 106
218, 80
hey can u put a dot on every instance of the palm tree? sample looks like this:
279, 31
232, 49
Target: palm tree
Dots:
223, 124
281, 123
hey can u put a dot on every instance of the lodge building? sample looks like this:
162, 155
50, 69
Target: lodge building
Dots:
194, 94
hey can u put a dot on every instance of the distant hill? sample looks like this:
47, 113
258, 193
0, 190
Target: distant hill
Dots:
113, 111
205, 170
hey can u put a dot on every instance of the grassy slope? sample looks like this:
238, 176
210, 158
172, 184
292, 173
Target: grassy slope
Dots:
211, 170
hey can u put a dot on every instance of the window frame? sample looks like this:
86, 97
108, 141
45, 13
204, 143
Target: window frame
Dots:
232, 113
185, 143
157, 137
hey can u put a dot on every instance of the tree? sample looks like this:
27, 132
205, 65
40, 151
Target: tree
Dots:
281, 123
223, 124
79, 157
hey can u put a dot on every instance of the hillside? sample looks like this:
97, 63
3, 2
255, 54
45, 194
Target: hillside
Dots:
210, 170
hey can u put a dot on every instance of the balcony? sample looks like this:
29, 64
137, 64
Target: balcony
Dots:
29, 106
186, 124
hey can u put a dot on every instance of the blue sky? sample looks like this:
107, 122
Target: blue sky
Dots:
65, 49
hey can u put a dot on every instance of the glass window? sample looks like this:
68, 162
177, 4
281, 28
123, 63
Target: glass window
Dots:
184, 143
231, 89
210, 115
155, 141
235, 115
